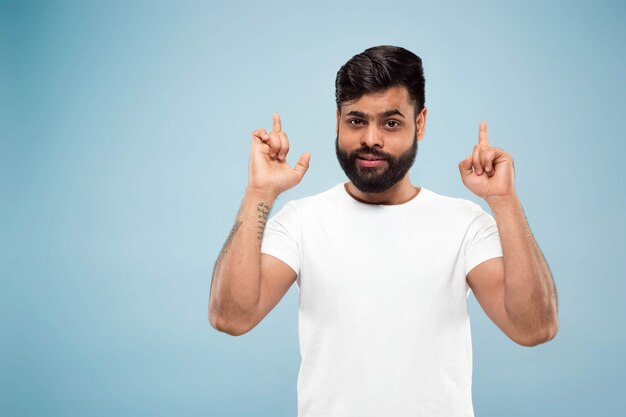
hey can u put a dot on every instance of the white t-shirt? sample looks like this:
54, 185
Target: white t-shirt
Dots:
383, 322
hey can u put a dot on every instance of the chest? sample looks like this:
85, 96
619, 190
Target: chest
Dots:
358, 266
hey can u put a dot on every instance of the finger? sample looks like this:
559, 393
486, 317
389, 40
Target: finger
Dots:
284, 145
303, 164
274, 143
483, 138
478, 168
465, 166
487, 157
276, 124
261, 134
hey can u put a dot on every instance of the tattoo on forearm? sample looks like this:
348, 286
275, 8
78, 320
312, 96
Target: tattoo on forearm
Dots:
226, 246
229, 239
263, 211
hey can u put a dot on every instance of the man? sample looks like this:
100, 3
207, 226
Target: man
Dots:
384, 267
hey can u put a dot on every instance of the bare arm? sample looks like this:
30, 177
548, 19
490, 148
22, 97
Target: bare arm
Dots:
516, 291
235, 286
247, 284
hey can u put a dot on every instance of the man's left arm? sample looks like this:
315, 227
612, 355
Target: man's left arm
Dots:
516, 291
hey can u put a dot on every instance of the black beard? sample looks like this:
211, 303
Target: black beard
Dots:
375, 179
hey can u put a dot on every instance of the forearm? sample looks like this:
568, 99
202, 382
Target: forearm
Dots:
529, 292
235, 286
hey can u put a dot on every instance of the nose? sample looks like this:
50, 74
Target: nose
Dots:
372, 137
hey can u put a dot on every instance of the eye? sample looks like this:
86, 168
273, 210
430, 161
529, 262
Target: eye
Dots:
392, 124
355, 122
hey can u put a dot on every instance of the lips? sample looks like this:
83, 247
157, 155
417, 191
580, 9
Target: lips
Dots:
367, 160
370, 157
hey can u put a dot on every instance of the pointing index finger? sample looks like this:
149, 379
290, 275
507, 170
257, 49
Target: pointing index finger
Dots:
276, 125
483, 139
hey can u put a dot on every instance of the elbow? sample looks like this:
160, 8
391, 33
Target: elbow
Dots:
231, 331
227, 326
540, 336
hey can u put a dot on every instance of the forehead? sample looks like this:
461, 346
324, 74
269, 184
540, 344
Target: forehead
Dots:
380, 101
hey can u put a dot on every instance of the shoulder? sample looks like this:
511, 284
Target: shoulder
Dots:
455, 211
446, 202
316, 202
328, 197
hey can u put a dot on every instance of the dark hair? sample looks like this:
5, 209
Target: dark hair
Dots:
380, 68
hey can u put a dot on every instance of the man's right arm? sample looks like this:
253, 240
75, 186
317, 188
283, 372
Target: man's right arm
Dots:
246, 284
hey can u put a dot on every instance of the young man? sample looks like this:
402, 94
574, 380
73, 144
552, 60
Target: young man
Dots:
384, 267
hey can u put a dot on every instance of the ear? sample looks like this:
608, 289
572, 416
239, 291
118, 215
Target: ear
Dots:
420, 121
338, 117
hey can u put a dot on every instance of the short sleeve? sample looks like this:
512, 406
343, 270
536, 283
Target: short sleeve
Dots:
482, 241
280, 238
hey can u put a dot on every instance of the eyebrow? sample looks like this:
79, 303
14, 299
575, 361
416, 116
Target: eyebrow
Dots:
382, 115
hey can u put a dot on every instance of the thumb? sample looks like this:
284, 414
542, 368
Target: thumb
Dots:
303, 164
465, 166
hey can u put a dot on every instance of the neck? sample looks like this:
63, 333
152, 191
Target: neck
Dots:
399, 193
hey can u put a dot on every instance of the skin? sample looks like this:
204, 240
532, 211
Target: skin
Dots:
392, 134
247, 284
516, 291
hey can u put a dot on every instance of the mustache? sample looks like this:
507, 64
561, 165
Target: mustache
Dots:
373, 151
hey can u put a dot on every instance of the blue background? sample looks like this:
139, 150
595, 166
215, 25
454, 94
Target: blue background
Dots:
125, 131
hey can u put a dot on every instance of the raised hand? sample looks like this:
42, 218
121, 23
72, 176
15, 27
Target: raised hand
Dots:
489, 171
269, 171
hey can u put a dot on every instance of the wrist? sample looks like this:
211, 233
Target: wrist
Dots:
260, 194
502, 202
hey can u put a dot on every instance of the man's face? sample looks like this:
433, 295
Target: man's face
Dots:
377, 138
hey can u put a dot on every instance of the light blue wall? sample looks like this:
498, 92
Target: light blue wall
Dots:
124, 146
